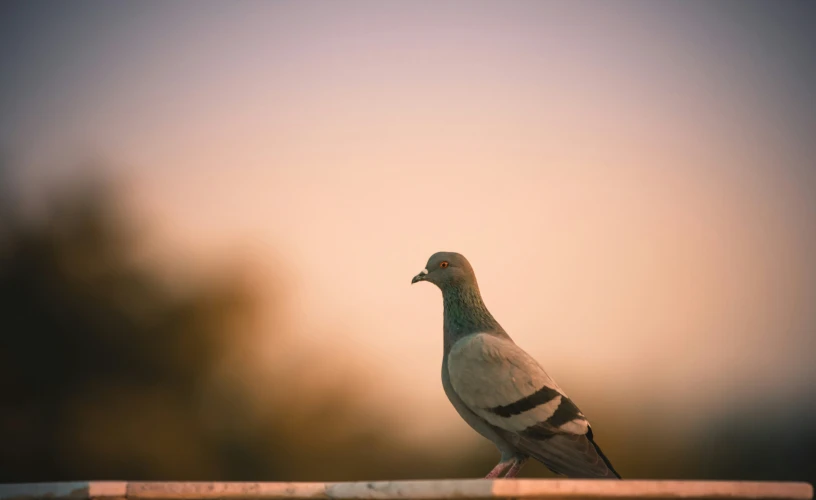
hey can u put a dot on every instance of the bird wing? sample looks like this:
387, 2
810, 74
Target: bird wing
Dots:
508, 389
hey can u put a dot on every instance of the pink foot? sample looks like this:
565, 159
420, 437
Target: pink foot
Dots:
498, 469
518, 463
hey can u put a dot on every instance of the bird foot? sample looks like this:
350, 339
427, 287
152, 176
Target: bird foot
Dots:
518, 463
498, 469
515, 465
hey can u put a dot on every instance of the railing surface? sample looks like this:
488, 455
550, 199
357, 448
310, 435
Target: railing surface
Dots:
511, 489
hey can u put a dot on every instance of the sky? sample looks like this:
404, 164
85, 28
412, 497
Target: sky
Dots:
633, 182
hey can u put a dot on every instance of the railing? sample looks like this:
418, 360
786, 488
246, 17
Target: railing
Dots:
510, 489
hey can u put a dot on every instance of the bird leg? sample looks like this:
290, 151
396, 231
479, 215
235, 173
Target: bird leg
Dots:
498, 469
518, 463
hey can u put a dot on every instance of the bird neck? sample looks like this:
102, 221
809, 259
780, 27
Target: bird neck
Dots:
465, 313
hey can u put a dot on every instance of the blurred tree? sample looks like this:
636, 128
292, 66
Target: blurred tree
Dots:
102, 366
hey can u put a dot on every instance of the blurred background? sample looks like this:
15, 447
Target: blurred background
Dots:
210, 213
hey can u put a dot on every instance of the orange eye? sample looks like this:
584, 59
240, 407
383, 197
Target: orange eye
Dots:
443, 264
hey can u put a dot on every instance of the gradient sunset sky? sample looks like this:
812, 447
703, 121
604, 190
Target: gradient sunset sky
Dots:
634, 182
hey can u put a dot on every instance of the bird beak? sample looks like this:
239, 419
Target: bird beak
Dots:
420, 277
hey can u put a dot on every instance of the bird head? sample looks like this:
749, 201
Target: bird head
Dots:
446, 269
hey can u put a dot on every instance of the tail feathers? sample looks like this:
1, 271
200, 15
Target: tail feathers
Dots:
572, 455
601, 454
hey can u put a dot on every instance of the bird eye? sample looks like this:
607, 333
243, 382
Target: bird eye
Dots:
443, 264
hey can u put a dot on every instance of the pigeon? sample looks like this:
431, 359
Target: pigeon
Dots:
500, 390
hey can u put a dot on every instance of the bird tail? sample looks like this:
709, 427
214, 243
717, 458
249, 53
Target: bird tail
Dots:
575, 456
601, 454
